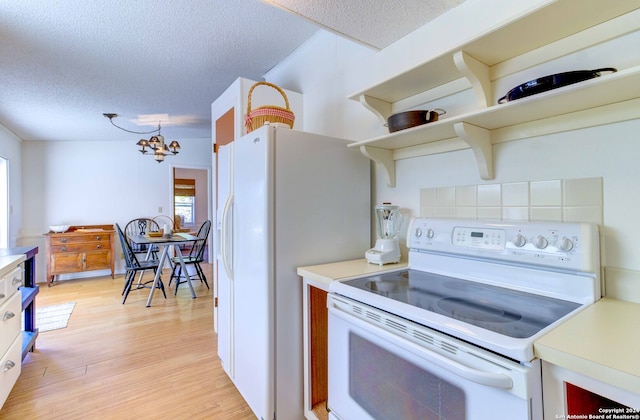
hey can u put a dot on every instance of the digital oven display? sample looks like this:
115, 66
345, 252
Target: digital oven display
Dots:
488, 239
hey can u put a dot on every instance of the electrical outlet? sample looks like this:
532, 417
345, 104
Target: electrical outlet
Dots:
160, 209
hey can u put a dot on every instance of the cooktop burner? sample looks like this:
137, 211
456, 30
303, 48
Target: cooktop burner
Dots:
509, 312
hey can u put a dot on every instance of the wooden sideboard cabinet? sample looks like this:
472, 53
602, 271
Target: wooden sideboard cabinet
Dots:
81, 248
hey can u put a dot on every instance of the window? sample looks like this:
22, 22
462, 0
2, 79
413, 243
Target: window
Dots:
4, 203
184, 194
185, 208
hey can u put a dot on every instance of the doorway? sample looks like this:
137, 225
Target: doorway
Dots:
191, 199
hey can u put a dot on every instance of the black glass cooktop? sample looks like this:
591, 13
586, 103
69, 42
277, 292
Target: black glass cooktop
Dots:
509, 312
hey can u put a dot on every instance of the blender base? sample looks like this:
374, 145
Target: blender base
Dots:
374, 256
386, 251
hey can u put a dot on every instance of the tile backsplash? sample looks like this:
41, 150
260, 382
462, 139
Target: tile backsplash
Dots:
559, 200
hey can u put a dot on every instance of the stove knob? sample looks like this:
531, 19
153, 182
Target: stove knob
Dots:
565, 244
418, 232
519, 240
541, 242
430, 233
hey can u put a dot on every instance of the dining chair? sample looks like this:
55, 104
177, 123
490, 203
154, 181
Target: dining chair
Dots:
162, 220
141, 226
195, 257
133, 266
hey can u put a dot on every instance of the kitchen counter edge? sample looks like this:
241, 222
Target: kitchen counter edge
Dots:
7, 262
600, 342
324, 274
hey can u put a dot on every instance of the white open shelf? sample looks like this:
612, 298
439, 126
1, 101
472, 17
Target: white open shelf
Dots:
569, 26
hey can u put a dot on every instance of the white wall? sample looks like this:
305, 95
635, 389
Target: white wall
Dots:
328, 69
82, 183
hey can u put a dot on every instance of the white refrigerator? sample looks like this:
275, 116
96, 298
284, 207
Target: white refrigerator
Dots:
290, 199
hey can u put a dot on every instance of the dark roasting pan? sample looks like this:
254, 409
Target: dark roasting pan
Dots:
408, 119
552, 81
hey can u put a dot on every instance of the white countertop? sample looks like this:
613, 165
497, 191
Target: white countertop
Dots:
326, 273
600, 342
8, 262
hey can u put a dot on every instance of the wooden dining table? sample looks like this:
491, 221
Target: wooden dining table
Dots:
165, 242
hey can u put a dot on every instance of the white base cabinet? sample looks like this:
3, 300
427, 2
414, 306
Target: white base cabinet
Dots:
11, 278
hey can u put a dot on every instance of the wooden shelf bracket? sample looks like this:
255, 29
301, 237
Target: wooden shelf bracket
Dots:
382, 157
478, 75
479, 139
380, 108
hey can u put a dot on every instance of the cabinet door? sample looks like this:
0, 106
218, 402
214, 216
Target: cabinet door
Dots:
70, 262
318, 346
97, 260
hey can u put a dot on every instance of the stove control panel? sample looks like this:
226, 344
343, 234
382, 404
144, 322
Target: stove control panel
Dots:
564, 245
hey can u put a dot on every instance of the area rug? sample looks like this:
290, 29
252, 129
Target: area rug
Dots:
53, 317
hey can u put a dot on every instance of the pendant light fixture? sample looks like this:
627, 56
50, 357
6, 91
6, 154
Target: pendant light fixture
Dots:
155, 144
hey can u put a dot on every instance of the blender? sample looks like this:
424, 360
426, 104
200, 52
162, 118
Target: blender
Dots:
387, 249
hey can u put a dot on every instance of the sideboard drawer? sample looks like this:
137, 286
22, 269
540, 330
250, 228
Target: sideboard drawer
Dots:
79, 238
83, 247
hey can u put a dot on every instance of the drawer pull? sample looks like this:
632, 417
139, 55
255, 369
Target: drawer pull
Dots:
8, 366
63, 240
64, 248
98, 238
16, 280
98, 246
8, 315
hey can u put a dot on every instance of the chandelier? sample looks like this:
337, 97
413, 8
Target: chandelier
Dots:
155, 144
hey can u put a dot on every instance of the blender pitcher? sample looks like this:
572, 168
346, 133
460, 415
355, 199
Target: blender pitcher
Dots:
387, 248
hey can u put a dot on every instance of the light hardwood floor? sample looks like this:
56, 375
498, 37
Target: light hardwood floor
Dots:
116, 361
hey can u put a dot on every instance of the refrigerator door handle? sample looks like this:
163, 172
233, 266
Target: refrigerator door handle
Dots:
225, 238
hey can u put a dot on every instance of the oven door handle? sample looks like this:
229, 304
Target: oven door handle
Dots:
492, 379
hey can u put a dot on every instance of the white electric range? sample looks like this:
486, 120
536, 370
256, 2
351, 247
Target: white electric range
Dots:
462, 318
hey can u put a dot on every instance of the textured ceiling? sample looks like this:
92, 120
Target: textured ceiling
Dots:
63, 63
376, 23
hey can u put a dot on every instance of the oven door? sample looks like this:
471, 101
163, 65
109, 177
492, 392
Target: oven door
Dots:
382, 367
